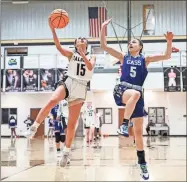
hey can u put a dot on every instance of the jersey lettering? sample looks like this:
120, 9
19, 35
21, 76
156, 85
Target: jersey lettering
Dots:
81, 70
133, 71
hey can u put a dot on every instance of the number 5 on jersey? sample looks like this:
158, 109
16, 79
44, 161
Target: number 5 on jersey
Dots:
81, 69
133, 71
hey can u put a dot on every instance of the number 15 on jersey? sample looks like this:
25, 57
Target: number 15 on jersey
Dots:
81, 70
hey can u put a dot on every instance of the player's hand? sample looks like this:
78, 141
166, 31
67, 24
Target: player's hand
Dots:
80, 50
106, 22
50, 24
169, 36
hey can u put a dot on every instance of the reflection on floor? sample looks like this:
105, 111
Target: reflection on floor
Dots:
106, 160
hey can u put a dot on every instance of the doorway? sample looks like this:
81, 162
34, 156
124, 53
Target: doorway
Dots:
156, 115
33, 114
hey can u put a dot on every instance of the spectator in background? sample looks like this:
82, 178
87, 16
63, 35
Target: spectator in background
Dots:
51, 126
98, 125
148, 127
60, 128
13, 125
28, 122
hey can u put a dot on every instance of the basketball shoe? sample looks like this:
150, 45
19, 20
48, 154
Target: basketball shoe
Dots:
143, 171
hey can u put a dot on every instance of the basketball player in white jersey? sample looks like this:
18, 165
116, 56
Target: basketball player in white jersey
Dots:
172, 76
89, 123
73, 88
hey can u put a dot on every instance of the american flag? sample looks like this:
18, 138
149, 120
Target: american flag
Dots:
97, 16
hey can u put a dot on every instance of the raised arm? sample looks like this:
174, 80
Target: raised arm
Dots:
65, 52
167, 55
89, 63
111, 51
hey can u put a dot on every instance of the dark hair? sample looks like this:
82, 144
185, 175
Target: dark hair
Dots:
81, 39
12, 117
141, 44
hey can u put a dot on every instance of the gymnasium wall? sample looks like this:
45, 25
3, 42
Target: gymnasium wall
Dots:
149, 49
29, 21
174, 102
103, 82
51, 49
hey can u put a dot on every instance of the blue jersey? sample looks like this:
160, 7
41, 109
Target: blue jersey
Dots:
54, 111
57, 126
134, 70
50, 122
60, 126
12, 123
63, 125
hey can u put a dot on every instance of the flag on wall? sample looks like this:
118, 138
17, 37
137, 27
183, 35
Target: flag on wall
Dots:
97, 15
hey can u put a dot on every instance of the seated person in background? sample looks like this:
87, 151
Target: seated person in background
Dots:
148, 127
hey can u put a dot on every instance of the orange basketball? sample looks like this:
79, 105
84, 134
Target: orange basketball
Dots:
59, 18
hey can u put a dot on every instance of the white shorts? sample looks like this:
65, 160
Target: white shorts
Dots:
76, 90
172, 82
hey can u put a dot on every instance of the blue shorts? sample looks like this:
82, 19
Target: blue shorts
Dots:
139, 109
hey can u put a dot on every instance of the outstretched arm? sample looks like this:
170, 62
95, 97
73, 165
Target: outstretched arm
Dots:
103, 42
167, 55
65, 52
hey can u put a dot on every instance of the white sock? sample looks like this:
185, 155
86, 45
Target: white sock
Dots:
66, 149
36, 124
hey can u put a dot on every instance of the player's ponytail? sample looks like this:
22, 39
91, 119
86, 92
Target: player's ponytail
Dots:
141, 44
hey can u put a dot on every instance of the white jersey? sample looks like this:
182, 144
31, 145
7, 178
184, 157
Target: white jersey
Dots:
63, 109
77, 68
89, 117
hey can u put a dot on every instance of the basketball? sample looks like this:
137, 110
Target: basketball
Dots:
59, 18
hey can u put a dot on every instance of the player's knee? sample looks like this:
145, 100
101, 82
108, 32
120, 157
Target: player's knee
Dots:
136, 95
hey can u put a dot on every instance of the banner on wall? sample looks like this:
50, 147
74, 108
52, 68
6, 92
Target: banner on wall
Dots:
183, 58
30, 80
31, 62
2, 80
61, 74
172, 79
12, 62
13, 80
184, 78
48, 61
173, 61
62, 62
47, 79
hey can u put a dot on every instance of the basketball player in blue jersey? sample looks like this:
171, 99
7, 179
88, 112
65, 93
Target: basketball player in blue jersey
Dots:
129, 92
54, 111
73, 88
